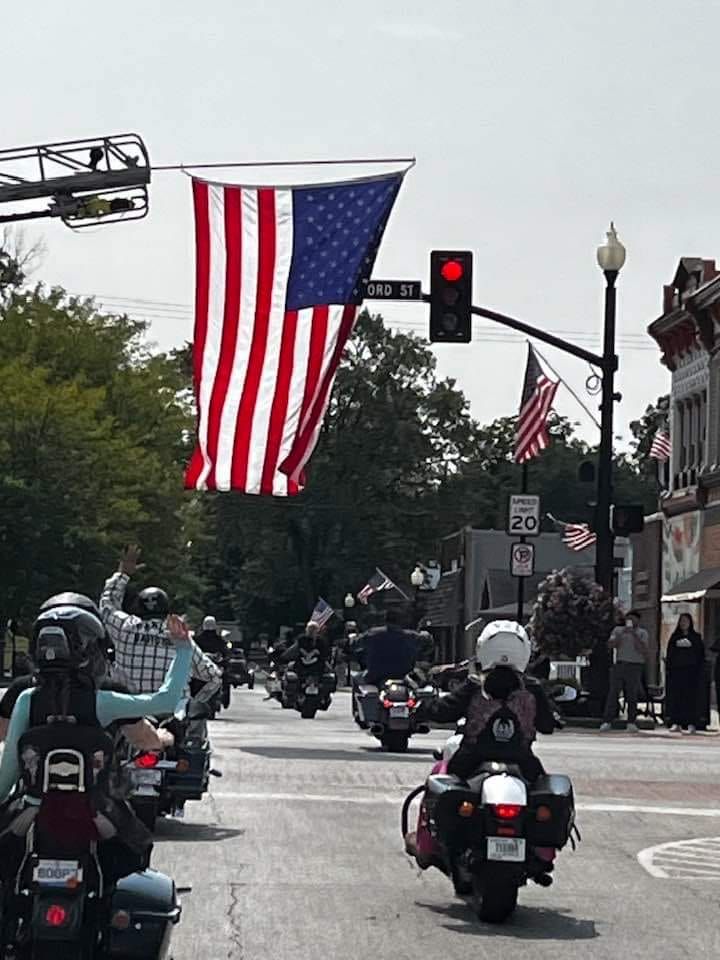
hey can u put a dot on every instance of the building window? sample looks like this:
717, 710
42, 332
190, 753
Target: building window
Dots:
693, 416
702, 428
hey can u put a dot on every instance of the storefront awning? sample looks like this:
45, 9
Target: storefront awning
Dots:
695, 587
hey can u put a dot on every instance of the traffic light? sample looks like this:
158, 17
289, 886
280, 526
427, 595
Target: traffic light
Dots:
627, 519
450, 296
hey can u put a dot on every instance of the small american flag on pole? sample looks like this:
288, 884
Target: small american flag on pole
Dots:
539, 391
279, 274
578, 536
661, 447
322, 613
377, 582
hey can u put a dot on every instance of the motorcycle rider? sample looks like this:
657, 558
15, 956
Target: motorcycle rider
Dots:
503, 709
305, 657
143, 646
141, 734
387, 651
210, 639
66, 698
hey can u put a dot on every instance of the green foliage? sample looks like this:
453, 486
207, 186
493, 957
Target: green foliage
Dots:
571, 614
93, 433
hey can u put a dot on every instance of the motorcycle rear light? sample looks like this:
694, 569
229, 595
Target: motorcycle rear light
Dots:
387, 703
507, 811
56, 916
147, 760
507, 832
411, 703
466, 809
543, 814
182, 766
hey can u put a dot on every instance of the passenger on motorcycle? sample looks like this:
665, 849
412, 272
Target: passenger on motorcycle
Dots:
66, 703
502, 706
143, 645
142, 734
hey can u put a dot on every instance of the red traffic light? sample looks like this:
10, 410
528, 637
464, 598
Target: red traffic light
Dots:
452, 270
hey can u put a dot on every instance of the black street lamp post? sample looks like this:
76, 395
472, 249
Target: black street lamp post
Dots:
610, 257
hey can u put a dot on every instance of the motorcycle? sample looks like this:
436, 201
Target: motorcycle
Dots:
387, 713
237, 668
307, 692
494, 832
161, 783
63, 902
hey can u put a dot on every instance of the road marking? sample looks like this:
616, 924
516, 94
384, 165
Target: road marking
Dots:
697, 859
382, 799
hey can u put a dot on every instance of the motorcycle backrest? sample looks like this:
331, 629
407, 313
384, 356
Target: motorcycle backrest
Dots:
502, 788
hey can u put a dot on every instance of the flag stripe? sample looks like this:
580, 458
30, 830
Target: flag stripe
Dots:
247, 268
202, 274
305, 444
215, 317
280, 404
228, 340
278, 260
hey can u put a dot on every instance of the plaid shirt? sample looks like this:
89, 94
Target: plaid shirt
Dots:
144, 649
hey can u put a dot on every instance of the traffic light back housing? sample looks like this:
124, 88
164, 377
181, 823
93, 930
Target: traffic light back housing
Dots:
627, 519
451, 296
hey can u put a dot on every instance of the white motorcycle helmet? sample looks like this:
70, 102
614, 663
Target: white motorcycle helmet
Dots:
503, 643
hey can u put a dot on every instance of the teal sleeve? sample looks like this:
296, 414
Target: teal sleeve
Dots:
19, 722
113, 706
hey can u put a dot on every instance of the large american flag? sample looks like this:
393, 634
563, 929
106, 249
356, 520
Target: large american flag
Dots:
278, 281
531, 435
661, 447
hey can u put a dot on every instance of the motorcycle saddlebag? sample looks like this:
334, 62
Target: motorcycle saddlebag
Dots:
443, 798
143, 911
193, 782
553, 793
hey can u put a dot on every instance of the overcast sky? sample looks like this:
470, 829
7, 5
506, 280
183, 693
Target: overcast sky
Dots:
533, 124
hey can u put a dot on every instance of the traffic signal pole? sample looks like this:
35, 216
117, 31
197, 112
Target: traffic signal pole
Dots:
608, 364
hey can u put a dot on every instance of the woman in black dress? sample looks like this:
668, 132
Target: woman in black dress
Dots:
684, 663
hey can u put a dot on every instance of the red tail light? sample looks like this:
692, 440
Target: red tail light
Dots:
507, 811
56, 916
147, 760
388, 703
411, 703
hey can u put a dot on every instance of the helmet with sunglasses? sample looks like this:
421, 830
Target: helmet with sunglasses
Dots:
66, 638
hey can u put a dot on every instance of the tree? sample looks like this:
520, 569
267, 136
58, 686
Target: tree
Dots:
571, 615
93, 435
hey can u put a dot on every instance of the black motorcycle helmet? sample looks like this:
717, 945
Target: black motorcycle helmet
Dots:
71, 599
66, 638
152, 604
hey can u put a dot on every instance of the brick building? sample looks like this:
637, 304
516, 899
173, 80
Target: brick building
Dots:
677, 566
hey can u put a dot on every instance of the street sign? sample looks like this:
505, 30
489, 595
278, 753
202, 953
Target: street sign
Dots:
392, 290
524, 515
522, 559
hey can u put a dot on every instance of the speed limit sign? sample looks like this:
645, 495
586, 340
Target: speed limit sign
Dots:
524, 515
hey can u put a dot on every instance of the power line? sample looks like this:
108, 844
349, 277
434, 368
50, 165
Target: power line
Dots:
284, 163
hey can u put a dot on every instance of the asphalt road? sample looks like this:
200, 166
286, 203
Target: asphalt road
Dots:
297, 854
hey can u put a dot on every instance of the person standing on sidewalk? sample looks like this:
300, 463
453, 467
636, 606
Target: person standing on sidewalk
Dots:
685, 663
630, 643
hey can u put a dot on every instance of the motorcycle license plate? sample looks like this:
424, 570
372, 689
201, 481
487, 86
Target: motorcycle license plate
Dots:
58, 873
401, 711
510, 849
147, 778
311, 690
